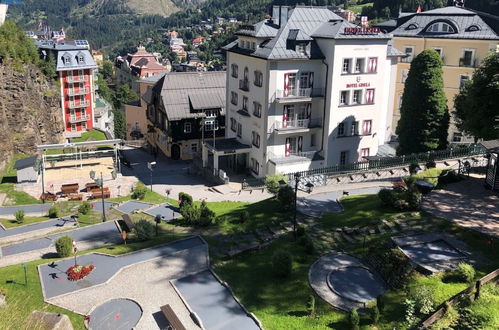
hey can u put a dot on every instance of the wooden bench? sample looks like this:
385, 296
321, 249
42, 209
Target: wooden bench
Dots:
99, 189
90, 186
75, 197
172, 318
67, 189
98, 194
48, 196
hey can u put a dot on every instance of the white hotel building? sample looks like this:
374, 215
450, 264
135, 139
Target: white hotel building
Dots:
305, 89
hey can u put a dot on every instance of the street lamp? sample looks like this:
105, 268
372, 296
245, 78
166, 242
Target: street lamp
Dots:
100, 183
297, 181
150, 166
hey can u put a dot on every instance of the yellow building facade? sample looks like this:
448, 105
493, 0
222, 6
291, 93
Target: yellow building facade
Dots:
463, 38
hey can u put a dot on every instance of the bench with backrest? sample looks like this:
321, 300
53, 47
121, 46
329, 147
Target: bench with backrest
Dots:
172, 318
67, 189
75, 197
98, 194
90, 186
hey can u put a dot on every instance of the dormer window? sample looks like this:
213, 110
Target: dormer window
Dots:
473, 28
441, 27
81, 58
67, 60
411, 27
301, 48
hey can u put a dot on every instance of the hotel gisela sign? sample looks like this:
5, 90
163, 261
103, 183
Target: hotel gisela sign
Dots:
358, 84
361, 30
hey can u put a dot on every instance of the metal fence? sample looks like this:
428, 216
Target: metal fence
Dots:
387, 162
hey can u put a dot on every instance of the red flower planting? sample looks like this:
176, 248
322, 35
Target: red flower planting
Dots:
78, 272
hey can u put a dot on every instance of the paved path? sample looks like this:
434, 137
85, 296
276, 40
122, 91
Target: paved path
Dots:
316, 205
104, 233
213, 303
97, 206
318, 278
468, 204
55, 282
7, 212
54, 224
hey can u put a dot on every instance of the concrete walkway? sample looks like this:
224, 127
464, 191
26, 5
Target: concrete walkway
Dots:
55, 282
39, 228
87, 237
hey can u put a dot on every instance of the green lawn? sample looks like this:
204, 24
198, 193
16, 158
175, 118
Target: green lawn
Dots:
8, 178
93, 135
358, 8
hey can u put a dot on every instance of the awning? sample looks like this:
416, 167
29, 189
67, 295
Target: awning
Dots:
227, 146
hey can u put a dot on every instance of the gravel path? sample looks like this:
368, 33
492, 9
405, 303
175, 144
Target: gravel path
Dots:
147, 283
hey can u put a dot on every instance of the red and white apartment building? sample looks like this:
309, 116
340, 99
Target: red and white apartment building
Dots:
75, 69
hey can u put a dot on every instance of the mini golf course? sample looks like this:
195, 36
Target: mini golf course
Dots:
122, 314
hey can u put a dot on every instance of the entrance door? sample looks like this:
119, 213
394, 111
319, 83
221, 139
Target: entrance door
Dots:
175, 151
288, 116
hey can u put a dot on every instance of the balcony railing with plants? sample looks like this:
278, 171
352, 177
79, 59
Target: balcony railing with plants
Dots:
77, 119
83, 104
81, 91
73, 79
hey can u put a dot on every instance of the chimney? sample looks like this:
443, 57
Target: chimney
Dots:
284, 16
276, 10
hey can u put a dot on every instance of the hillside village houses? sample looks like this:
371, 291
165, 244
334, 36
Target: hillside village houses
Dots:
305, 89
76, 71
139, 65
462, 37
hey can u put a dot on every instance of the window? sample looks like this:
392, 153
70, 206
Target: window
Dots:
233, 98
359, 65
357, 96
258, 78
369, 96
473, 28
440, 27
233, 124
312, 140
354, 128
364, 152
343, 157
341, 129
81, 59
187, 128
239, 129
67, 60
366, 127
211, 125
194, 147
255, 166
409, 52
457, 137
439, 50
347, 63
245, 103
84, 125
372, 65
301, 48
255, 139
468, 58
462, 80
211, 113
257, 109
234, 70
404, 74
344, 98
80, 73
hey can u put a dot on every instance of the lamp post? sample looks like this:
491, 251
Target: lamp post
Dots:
297, 181
150, 166
100, 182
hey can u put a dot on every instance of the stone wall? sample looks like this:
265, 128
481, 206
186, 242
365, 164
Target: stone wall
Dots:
30, 111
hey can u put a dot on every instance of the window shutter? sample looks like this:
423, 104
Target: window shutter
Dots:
300, 143
309, 110
286, 84
287, 147
285, 116
311, 79
373, 64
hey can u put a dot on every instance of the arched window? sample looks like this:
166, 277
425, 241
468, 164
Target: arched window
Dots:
473, 28
441, 27
411, 27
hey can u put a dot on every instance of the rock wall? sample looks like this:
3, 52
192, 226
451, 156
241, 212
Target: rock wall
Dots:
30, 112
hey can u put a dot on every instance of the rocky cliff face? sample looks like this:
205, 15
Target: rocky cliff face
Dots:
30, 112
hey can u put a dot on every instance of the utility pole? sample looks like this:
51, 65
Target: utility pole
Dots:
102, 197
297, 180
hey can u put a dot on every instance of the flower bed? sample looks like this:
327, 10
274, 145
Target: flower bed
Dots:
78, 272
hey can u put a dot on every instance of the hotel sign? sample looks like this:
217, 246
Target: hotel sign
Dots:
361, 30
356, 85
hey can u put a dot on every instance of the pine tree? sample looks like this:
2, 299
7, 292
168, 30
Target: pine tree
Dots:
478, 101
424, 117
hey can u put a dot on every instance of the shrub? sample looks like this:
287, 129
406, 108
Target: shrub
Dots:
300, 231
286, 197
53, 212
197, 216
206, 216
413, 168
84, 208
221, 219
448, 176
272, 183
143, 230
19, 214
423, 300
64, 246
430, 164
413, 198
282, 263
409, 181
374, 314
465, 272
353, 319
307, 243
386, 197
244, 216
380, 302
184, 199
410, 311
140, 191
311, 305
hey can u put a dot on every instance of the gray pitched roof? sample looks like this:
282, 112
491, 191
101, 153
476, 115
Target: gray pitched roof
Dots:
73, 64
25, 162
204, 90
303, 24
461, 19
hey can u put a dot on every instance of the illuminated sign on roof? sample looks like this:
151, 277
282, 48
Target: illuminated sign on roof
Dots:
361, 30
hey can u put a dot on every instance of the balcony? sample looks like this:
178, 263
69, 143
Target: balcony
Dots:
468, 62
298, 94
73, 105
81, 91
244, 85
76, 119
291, 126
73, 79
295, 157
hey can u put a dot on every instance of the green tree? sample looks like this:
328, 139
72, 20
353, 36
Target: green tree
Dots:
123, 95
119, 124
424, 118
478, 101
107, 69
